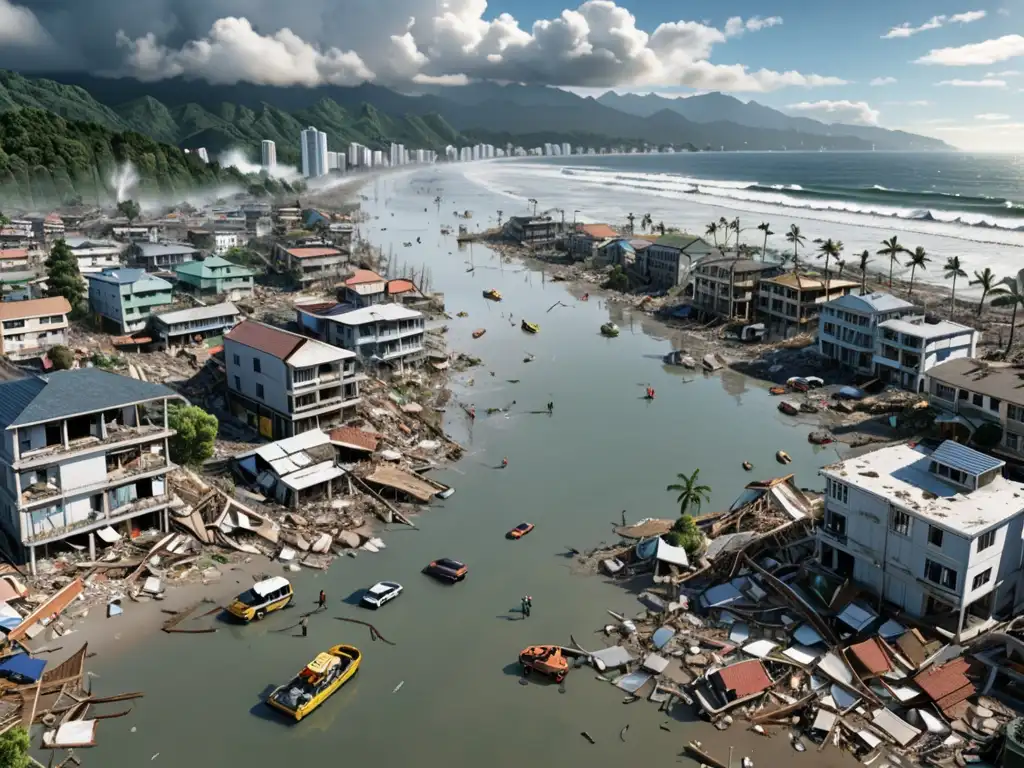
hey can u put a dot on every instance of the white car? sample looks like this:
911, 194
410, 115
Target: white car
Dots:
380, 593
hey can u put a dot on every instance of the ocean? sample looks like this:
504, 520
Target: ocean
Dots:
968, 205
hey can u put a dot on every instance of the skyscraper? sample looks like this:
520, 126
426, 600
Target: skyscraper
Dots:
268, 154
314, 153
203, 154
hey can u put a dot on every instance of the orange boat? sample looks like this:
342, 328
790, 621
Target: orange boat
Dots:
545, 659
479, 332
777, 390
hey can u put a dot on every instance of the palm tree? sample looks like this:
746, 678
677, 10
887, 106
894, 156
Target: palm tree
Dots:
797, 239
734, 225
919, 258
646, 222
987, 281
534, 201
892, 249
661, 227
691, 493
841, 263
765, 227
953, 270
830, 249
1011, 295
631, 218
865, 257
713, 231
500, 214
724, 226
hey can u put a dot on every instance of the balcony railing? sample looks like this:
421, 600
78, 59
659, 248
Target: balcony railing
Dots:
50, 532
47, 454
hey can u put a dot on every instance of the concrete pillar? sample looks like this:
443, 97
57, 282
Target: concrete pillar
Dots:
64, 432
92, 546
960, 623
32, 559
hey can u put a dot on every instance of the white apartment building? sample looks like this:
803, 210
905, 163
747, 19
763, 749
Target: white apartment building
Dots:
366, 157
847, 327
268, 154
566, 148
353, 154
381, 334
283, 384
94, 255
937, 534
203, 155
378, 158
905, 350
314, 153
82, 452
29, 328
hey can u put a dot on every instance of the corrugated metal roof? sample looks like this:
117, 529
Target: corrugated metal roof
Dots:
265, 338
871, 656
871, 302
164, 249
199, 313
355, 438
745, 678
957, 456
947, 685
16, 310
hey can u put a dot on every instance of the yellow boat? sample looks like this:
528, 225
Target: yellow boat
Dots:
316, 682
530, 327
492, 294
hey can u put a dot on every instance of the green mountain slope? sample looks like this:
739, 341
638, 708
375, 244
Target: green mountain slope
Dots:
68, 101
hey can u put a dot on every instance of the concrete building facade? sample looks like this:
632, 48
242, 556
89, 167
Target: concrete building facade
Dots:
29, 328
847, 327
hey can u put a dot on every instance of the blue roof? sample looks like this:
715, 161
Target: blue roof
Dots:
21, 666
957, 456
871, 302
120, 276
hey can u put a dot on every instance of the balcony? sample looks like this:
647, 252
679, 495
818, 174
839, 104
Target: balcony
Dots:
835, 533
41, 527
87, 444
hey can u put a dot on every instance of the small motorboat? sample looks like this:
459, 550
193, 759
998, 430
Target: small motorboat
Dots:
492, 294
814, 381
782, 457
788, 408
777, 391
610, 329
462, 314
529, 358
530, 327
479, 332
546, 659
747, 466
316, 682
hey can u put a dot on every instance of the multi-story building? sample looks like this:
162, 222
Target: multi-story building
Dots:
354, 154
186, 326
215, 276
314, 153
847, 327
202, 154
666, 263
383, 334
308, 265
973, 392
82, 450
532, 230
937, 534
727, 286
19, 233
14, 259
793, 299
268, 155
906, 349
216, 241
585, 239
156, 257
29, 328
127, 298
283, 384
94, 255
364, 288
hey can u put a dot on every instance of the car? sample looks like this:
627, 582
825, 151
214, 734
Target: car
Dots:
519, 531
380, 593
447, 569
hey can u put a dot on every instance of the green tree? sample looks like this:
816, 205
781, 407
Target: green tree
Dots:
14, 749
1011, 295
686, 534
130, 210
4, 221
712, 231
646, 222
865, 257
918, 260
630, 218
691, 493
617, 280
196, 430
830, 249
63, 358
987, 281
953, 269
62, 275
765, 227
892, 249
797, 239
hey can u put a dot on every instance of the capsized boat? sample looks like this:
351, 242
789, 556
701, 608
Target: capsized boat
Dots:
492, 294
790, 409
530, 327
316, 682
610, 329
479, 332
546, 659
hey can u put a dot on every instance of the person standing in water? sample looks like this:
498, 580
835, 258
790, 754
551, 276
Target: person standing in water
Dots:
322, 602
305, 625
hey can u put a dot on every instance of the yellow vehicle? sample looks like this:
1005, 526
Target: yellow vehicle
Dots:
316, 682
263, 597
492, 294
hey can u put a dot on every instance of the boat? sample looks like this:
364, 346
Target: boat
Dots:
462, 314
788, 408
529, 358
479, 332
317, 681
610, 329
777, 391
492, 294
814, 381
530, 327
782, 457
747, 466
546, 659
798, 384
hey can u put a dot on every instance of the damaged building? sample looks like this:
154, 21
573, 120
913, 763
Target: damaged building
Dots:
295, 470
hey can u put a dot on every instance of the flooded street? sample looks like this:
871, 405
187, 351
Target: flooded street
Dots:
603, 450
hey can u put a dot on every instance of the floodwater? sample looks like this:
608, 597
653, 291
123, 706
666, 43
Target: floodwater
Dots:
603, 450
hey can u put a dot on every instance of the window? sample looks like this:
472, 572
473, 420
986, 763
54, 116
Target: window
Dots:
259, 391
835, 523
238, 383
986, 540
900, 522
993, 404
978, 399
982, 579
256, 365
236, 359
1015, 413
944, 392
1012, 441
838, 491
939, 574
962, 394
935, 536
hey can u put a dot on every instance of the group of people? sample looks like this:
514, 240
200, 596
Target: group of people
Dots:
527, 605
650, 393
321, 604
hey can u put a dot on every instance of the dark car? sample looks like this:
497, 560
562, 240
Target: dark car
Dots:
447, 569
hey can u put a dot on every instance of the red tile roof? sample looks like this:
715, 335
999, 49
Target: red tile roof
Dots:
355, 437
362, 276
598, 231
14, 253
312, 253
745, 678
400, 286
266, 338
947, 685
19, 310
871, 656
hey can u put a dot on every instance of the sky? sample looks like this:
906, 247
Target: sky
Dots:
953, 70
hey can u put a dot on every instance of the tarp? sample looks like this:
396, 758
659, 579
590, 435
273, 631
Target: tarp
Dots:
610, 658
673, 555
77, 733
22, 668
900, 730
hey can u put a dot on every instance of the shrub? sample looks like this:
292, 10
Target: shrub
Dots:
63, 359
196, 430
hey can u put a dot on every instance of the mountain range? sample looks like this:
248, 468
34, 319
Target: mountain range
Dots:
195, 113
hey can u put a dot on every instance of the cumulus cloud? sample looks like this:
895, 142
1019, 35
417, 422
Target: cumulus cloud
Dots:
987, 83
906, 29
594, 44
859, 112
20, 27
883, 81
987, 52
993, 116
